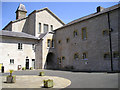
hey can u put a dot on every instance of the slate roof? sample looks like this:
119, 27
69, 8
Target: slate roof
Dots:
42, 35
91, 16
21, 7
16, 34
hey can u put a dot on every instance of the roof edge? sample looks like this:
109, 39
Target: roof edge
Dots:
117, 6
35, 12
46, 8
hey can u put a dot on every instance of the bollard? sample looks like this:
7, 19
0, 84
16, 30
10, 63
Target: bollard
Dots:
2, 69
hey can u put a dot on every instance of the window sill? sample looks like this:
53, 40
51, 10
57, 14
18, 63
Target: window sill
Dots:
116, 58
76, 59
84, 39
20, 49
84, 59
106, 58
50, 47
11, 64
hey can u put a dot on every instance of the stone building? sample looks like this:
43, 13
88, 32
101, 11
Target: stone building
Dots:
22, 40
84, 44
41, 40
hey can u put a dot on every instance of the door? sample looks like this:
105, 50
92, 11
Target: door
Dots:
33, 63
27, 63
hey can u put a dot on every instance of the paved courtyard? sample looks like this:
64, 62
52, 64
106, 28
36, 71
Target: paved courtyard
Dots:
78, 79
35, 82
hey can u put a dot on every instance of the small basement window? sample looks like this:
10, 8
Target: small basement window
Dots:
59, 41
115, 55
106, 56
63, 58
84, 56
105, 32
76, 56
59, 60
75, 33
67, 40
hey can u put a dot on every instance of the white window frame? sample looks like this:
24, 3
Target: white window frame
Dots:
20, 46
11, 61
39, 29
44, 28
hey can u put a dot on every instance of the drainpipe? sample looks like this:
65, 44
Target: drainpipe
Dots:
110, 30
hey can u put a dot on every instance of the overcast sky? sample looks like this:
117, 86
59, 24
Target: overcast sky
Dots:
66, 11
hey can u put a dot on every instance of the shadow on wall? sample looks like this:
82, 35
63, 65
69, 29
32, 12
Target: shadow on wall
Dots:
51, 59
27, 29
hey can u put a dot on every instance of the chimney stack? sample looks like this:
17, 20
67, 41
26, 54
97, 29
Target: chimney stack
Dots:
99, 9
21, 12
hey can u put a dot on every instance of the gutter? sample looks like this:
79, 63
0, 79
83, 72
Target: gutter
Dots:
110, 41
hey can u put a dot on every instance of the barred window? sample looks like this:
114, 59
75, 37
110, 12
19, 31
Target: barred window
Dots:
19, 45
11, 61
48, 42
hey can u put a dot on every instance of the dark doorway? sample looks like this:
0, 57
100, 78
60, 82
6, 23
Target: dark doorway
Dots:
50, 61
27, 63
